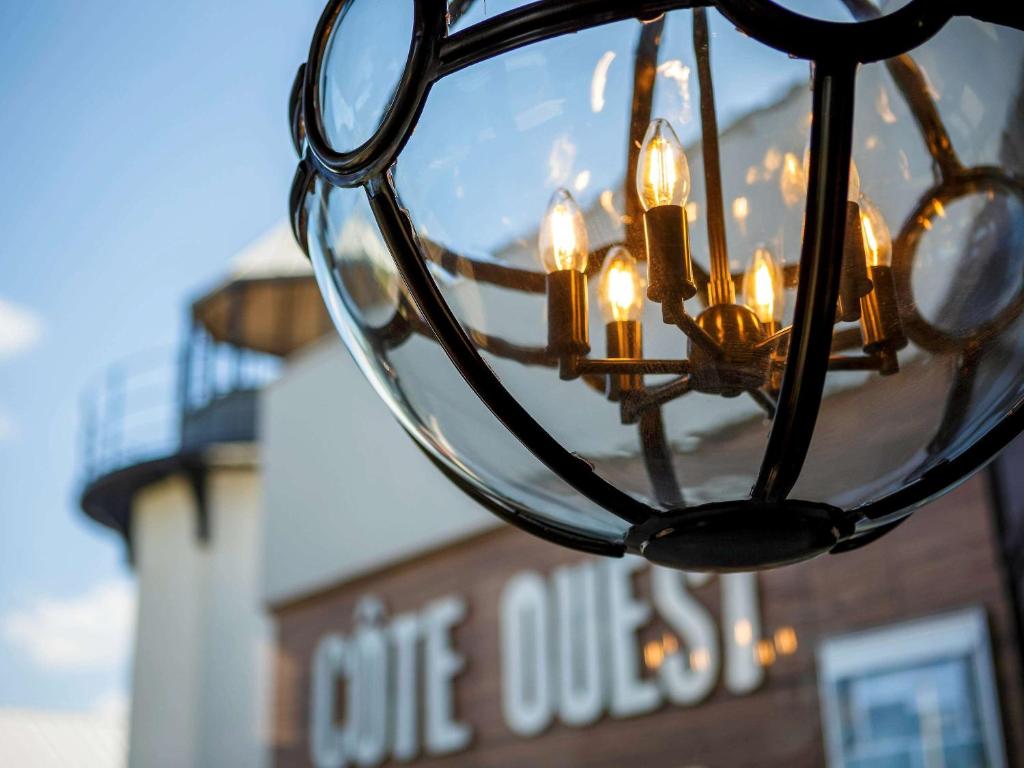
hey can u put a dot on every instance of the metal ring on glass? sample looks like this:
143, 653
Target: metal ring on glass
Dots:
964, 183
356, 166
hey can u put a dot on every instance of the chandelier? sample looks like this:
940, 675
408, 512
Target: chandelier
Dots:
717, 283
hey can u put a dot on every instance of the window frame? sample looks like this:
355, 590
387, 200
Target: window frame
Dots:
905, 644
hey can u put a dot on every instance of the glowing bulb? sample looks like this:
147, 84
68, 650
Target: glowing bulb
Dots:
620, 289
763, 286
662, 173
877, 240
563, 235
792, 180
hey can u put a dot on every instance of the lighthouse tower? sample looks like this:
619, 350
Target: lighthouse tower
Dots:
171, 462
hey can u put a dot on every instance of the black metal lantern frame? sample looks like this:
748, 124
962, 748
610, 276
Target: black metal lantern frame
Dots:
769, 527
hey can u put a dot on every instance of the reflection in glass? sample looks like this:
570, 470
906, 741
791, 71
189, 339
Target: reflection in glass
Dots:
411, 372
363, 64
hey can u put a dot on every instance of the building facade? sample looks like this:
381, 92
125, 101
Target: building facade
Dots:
432, 636
313, 592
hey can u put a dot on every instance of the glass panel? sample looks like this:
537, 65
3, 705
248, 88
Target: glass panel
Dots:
843, 10
413, 375
497, 140
362, 67
957, 224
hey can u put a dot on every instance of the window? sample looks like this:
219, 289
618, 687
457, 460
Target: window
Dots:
915, 695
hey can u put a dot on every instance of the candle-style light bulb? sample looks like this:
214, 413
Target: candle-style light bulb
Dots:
792, 180
880, 324
562, 241
620, 287
662, 172
877, 239
763, 287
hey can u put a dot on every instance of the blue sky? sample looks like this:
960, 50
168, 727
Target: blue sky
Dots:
144, 144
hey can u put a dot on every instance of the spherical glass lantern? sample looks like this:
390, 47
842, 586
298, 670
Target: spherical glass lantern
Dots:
721, 283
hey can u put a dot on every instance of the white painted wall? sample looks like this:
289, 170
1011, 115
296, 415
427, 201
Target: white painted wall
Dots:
236, 645
200, 691
346, 490
169, 568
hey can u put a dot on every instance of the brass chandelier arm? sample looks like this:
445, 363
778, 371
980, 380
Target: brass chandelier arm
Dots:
698, 335
492, 273
624, 365
495, 345
657, 455
914, 87
533, 281
636, 403
856, 362
721, 289
645, 66
846, 338
764, 400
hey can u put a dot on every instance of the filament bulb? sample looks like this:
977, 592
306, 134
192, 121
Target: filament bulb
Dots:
620, 289
662, 173
792, 180
763, 286
877, 240
562, 241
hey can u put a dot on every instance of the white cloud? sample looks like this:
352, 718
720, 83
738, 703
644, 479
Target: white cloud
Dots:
20, 329
112, 705
89, 632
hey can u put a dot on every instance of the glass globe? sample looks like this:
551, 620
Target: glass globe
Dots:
927, 351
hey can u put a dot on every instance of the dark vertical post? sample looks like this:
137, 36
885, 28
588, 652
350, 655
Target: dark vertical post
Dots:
645, 67
185, 362
1006, 497
821, 258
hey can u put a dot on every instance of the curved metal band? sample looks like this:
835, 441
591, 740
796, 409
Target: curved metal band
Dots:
542, 21
861, 41
296, 123
303, 179
401, 240
525, 519
983, 179
818, 287
936, 480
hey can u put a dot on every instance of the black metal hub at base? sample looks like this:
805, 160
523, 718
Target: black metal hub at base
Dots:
737, 331
740, 536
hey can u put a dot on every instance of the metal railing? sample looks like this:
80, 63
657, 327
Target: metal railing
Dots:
161, 402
